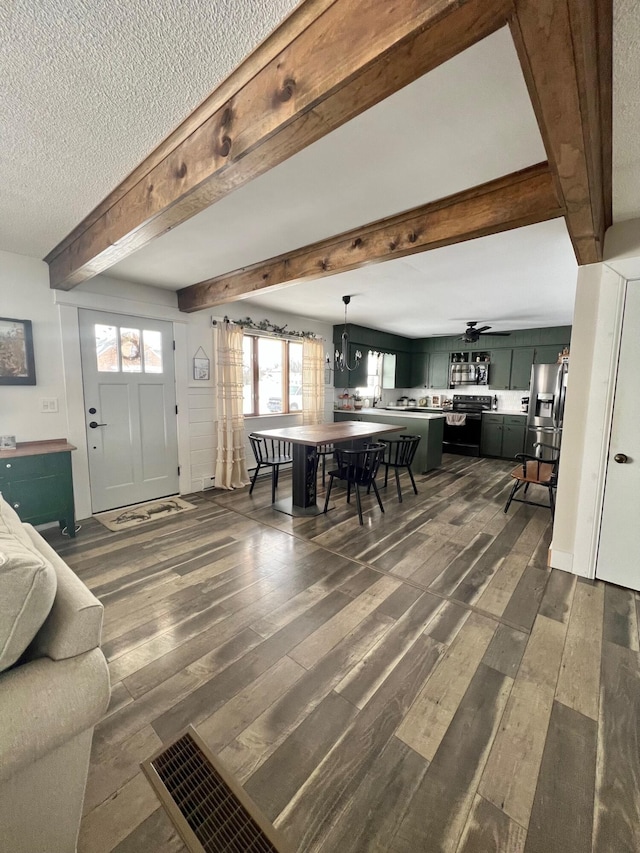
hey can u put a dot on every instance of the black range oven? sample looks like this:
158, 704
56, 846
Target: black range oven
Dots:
463, 424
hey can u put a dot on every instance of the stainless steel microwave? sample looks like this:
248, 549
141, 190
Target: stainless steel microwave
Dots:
471, 373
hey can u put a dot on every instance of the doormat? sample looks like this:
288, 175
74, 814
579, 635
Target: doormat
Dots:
123, 519
206, 804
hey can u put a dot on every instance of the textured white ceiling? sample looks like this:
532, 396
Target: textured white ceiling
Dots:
88, 89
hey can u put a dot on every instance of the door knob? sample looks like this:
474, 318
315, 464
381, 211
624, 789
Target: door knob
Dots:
94, 424
621, 458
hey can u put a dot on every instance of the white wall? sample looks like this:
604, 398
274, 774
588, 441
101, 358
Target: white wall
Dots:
25, 295
594, 352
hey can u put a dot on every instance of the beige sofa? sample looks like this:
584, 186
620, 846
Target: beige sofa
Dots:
54, 688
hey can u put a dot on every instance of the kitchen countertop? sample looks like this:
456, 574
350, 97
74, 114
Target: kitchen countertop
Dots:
507, 412
391, 413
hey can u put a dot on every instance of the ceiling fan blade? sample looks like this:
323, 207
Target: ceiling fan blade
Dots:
497, 334
482, 329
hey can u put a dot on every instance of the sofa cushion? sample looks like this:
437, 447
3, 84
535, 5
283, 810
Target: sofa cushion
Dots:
27, 587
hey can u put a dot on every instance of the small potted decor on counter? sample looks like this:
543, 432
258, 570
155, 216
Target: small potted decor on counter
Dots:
357, 401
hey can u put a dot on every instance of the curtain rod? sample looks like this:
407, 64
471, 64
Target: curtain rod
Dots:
271, 332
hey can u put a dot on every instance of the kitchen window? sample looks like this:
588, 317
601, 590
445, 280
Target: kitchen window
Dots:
272, 376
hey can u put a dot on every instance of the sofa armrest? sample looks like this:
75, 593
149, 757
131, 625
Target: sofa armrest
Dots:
74, 624
45, 703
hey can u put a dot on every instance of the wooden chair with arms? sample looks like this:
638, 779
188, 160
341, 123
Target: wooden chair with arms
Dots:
536, 471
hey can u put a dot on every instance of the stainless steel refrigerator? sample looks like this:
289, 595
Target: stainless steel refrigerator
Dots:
547, 394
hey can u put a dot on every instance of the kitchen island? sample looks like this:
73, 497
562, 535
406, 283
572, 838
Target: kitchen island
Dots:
428, 426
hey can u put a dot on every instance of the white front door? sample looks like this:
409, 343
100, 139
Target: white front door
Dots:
619, 548
130, 408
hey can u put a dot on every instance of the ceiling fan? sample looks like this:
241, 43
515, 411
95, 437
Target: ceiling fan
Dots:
471, 334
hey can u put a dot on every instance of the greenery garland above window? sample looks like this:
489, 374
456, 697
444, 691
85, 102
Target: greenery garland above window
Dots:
270, 328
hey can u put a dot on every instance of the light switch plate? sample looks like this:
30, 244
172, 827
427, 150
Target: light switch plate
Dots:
49, 404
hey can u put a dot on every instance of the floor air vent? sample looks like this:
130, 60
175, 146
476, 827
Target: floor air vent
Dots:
208, 807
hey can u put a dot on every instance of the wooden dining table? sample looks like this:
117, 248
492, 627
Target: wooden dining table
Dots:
305, 441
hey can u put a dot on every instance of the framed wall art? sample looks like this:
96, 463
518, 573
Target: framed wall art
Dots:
201, 365
17, 364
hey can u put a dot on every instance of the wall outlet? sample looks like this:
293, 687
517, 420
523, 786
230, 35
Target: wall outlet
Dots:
49, 404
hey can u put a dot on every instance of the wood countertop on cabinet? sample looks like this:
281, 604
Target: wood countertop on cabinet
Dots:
37, 448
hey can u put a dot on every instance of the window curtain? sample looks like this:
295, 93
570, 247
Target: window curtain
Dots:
312, 381
231, 467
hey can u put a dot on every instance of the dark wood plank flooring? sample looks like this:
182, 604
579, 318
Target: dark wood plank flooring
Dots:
423, 682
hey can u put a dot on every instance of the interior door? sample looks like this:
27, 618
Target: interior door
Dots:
130, 408
619, 545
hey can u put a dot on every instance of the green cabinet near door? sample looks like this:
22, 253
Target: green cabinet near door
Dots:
36, 480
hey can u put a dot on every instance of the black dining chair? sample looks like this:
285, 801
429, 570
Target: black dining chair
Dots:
399, 454
269, 453
324, 450
536, 471
357, 468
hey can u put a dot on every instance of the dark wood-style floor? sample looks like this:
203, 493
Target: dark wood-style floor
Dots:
422, 683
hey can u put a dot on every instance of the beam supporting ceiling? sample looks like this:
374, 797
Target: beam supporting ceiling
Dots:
327, 63
522, 198
330, 61
565, 49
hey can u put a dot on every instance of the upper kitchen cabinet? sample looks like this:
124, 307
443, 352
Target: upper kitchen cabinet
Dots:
500, 369
439, 370
521, 362
419, 374
396, 361
404, 374
356, 378
547, 354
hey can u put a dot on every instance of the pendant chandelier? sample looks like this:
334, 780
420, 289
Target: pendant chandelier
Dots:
342, 356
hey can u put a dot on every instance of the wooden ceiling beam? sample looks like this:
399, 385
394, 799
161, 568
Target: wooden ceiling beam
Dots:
565, 49
334, 60
521, 198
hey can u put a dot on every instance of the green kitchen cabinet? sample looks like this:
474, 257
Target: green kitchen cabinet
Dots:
521, 362
403, 370
491, 435
36, 480
419, 370
500, 369
356, 378
430, 429
547, 354
439, 370
513, 436
502, 435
